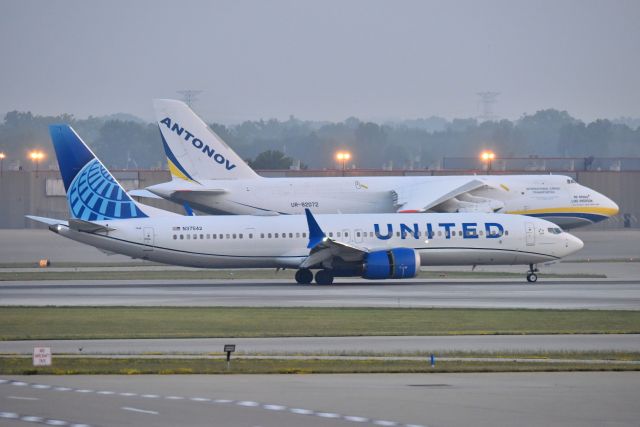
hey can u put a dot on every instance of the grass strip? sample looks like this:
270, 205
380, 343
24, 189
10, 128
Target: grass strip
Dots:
32, 323
133, 366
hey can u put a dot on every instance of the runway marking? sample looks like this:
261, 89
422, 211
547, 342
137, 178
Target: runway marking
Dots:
37, 419
274, 407
244, 403
22, 398
142, 411
31, 419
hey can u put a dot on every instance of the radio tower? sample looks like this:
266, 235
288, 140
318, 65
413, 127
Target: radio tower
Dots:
487, 99
189, 96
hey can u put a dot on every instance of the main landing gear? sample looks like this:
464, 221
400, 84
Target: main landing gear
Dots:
304, 276
531, 274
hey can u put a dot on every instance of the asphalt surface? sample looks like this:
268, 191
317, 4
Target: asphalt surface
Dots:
444, 400
556, 294
338, 345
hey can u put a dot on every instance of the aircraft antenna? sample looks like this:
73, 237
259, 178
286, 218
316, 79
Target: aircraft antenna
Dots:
189, 96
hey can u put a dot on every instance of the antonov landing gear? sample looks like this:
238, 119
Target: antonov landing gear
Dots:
304, 276
324, 277
532, 277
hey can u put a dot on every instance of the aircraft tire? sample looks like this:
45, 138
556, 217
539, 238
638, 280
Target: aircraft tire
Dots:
304, 276
324, 277
532, 277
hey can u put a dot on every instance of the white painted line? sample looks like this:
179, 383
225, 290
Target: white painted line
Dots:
385, 423
79, 425
274, 407
10, 415
61, 388
22, 398
142, 411
150, 396
327, 415
223, 401
18, 383
247, 403
32, 419
83, 390
56, 423
128, 394
300, 411
106, 392
174, 398
3, 381
356, 419
41, 386
413, 425
200, 399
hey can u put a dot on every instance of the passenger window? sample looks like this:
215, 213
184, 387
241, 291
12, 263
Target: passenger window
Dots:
220, 236
297, 235
276, 235
195, 237
338, 234
234, 235
346, 234
175, 237
453, 233
201, 236
181, 237
228, 236
291, 235
188, 236
330, 234
270, 235
481, 233
262, 235
439, 233
214, 236
208, 236
304, 235
250, 235
506, 232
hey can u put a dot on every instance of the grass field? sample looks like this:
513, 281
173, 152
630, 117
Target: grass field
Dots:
133, 366
24, 323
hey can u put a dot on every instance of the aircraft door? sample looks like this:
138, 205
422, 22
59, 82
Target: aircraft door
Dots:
530, 234
148, 238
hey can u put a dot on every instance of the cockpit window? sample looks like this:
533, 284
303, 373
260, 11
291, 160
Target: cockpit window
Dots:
571, 181
554, 230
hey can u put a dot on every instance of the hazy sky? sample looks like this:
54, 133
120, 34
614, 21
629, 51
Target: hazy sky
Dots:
322, 59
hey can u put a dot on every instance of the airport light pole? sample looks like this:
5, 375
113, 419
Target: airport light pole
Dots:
343, 156
36, 156
2, 156
488, 157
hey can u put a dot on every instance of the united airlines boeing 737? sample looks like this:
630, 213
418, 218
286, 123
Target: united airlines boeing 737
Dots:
209, 176
373, 246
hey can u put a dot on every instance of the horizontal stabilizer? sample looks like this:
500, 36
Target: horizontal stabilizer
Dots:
88, 226
143, 193
48, 221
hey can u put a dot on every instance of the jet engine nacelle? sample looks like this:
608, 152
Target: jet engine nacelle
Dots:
399, 263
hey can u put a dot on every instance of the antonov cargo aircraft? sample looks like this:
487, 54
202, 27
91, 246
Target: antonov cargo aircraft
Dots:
209, 176
373, 246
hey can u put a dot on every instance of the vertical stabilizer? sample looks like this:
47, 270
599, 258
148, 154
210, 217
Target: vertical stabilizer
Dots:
194, 152
92, 192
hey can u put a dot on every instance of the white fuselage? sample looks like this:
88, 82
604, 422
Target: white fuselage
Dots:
553, 197
281, 241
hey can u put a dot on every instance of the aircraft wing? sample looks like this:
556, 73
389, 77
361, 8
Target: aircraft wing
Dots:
422, 197
324, 248
143, 193
87, 226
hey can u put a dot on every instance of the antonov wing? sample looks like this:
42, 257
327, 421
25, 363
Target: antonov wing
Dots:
443, 196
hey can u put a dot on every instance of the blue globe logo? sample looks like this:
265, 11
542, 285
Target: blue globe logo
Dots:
95, 195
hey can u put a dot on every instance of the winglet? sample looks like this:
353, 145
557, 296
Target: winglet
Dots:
316, 235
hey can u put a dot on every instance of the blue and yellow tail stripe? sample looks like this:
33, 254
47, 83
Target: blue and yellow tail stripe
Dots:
176, 169
591, 213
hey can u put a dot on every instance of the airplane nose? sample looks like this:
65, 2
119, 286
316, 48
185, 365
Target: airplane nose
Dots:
573, 244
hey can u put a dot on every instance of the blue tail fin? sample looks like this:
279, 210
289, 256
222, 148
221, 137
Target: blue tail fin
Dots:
92, 192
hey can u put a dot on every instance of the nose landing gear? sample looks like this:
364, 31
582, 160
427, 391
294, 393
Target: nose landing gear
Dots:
532, 277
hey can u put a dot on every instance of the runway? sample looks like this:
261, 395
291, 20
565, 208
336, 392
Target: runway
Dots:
550, 294
404, 400
337, 345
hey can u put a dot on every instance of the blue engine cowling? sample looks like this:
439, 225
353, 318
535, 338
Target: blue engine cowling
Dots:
399, 263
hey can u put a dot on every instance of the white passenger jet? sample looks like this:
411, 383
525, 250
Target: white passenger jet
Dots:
373, 246
209, 176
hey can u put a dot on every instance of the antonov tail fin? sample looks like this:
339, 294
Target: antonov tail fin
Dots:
194, 152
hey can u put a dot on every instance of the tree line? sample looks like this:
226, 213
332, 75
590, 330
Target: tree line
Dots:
124, 142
